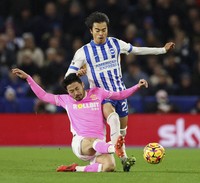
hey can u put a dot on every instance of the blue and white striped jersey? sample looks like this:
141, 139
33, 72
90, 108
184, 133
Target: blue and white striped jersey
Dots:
103, 62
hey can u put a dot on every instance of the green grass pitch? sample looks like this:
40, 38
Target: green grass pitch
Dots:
38, 164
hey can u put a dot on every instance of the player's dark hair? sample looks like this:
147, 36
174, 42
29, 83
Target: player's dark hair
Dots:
71, 78
97, 17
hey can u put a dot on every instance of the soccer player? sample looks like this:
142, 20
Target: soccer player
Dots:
102, 59
86, 121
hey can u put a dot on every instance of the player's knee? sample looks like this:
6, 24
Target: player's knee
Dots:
108, 167
113, 117
107, 109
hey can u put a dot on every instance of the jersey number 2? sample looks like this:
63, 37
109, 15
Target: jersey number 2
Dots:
124, 106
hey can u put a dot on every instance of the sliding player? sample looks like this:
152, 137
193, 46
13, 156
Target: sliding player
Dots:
86, 120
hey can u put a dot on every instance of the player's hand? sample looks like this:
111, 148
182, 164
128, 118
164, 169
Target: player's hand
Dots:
20, 73
81, 72
169, 46
143, 82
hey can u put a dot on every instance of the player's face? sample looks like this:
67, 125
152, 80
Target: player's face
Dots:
99, 32
76, 91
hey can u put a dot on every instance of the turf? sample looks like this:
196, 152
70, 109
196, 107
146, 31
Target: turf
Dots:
38, 164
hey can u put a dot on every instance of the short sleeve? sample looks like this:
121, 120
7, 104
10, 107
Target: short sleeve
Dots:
77, 62
125, 47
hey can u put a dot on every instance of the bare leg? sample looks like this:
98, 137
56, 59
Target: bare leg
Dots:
107, 161
123, 122
103, 163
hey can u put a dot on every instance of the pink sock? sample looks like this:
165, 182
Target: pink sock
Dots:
96, 167
101, 146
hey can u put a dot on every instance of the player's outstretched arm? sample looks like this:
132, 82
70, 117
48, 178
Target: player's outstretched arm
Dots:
39, 92
128, 92
153, 51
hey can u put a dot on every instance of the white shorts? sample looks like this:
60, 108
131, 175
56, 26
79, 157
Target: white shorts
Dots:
76, 148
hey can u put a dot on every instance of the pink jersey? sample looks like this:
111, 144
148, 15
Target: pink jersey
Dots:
85, 116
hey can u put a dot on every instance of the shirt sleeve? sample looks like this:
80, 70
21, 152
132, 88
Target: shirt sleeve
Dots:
41, 94
128, 48
121, 94
125, 48
77, 62
147, 51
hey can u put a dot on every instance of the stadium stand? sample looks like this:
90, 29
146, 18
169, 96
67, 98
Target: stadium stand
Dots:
41, 38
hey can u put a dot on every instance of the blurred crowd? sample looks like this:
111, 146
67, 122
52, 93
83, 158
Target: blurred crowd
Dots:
41, 37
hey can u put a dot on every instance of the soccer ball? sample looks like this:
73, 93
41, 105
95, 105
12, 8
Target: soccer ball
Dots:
154, 153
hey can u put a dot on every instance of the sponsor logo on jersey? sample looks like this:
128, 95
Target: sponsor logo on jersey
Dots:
89, 105
106, 65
